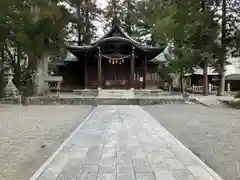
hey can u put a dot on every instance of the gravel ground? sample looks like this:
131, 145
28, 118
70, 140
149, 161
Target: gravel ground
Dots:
212, 134
29, 135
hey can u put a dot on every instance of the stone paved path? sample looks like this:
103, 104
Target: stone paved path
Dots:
123, 143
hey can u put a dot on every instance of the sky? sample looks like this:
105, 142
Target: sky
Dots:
99, 25
101, 3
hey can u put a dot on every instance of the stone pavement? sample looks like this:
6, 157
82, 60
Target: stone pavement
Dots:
213, 100
123, 143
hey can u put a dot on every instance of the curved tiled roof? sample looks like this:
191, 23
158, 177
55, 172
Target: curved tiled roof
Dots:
124, 37
112, 39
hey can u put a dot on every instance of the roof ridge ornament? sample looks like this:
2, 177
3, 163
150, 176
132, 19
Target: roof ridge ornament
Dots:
115, 20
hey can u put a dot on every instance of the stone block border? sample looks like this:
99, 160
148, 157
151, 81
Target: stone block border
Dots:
107, 101
9, 100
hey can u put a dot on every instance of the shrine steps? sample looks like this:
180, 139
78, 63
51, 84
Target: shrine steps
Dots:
128, 93
116, 93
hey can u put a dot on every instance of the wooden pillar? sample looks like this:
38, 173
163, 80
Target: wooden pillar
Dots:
145, 73
132, 69
99, 68
85, 72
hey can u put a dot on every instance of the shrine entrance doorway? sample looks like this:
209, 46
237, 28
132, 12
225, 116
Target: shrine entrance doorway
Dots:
116, 73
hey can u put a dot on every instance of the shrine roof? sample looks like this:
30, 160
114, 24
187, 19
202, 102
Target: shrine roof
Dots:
116, 34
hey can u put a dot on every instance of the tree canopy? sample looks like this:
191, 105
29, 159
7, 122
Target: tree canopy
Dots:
203, 33
30, 28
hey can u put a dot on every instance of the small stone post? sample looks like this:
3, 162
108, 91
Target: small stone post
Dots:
170, 88
210, 87
186, 97
228, 87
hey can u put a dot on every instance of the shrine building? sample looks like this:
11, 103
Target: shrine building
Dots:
115, 61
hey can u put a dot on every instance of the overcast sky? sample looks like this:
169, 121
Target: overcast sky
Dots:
99, 25
101, 3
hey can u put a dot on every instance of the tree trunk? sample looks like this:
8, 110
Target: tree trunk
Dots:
205, 65
205, 79
221, 87
86, 38
2, 84
128, 18
182, 82
29, 85
17, 70
78, 23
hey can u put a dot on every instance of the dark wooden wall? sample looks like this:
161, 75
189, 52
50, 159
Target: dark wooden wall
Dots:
119, 73
74, 75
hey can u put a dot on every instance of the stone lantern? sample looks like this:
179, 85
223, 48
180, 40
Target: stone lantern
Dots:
10, 89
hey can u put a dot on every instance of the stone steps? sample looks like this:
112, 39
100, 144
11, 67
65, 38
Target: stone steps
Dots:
115, 93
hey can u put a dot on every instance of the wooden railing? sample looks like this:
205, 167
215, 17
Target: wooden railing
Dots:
199, 89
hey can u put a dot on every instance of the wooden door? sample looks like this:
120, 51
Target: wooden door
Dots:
115, 76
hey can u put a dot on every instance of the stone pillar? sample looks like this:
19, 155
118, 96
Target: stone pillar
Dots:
99, 68
132, 69
85, 73
145, 73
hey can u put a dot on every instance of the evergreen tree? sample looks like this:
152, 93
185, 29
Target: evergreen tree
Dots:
204, 40
35, 29
133, 15
145, 23
186, 25
129, 17
84, 13
111, 11
227, 15
208, 28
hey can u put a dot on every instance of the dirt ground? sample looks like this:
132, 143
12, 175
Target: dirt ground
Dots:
30, 134
213, 134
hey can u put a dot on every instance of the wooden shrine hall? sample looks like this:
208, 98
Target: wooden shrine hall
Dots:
115, 61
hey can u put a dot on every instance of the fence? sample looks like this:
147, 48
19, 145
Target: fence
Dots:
199, 89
